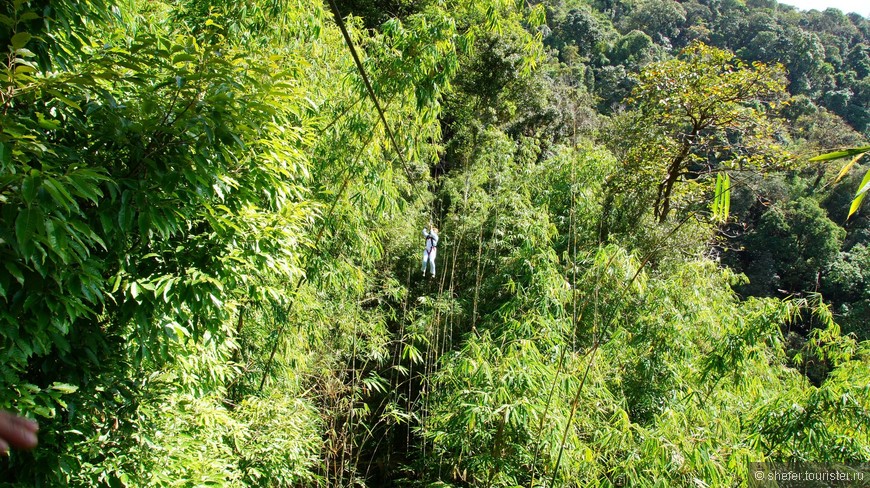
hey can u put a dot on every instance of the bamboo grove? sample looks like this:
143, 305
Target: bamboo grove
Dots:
210, 219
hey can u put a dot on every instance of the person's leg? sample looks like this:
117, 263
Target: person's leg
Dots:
425, 258
432, 261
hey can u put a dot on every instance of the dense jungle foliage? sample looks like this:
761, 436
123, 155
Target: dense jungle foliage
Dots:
210, 235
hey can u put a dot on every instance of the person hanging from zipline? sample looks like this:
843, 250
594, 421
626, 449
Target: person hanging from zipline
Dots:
431, 250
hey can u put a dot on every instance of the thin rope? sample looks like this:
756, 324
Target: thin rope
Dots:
340, 22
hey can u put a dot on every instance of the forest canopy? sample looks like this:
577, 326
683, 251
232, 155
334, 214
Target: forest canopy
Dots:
210, 236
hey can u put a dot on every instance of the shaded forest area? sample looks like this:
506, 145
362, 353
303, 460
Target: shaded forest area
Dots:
210, 236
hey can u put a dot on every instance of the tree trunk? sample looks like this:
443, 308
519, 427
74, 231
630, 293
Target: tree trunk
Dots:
663, 197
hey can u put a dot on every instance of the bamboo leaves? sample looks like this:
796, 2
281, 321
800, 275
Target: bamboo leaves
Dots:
856, 154
721, 205
846, 153
863, 188
209, 258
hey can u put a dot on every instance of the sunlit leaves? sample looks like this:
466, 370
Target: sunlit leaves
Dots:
699, 113
721, 205
204, 183
847, 153
856, 154
149, 186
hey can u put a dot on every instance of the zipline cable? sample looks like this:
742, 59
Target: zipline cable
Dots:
340, 22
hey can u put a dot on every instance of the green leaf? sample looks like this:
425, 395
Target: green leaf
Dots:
20, 39
64, 388
5, 154
43, 411
56, 239
134, 290
25, 228
126, 213
117, 283
59, 194
30, 186
865, 185
726, 197
183, 57
15, 271
22, 70
60, 96
722, 198
47, 124
841, 154
84, 187
860, 194
25, 53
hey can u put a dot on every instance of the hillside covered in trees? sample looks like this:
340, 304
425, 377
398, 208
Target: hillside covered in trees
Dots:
210, 237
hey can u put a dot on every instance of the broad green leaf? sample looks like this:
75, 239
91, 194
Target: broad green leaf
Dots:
30, 186
57, 239
20, 39
183, 57
117, 282
5, 154
126, 213
25, 53
63, 98
47, 124
134, 290
59, 194
64, 388
15, 271
22, 72
25, 227
84, 187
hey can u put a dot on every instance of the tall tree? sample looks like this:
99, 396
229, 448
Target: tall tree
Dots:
703, 112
